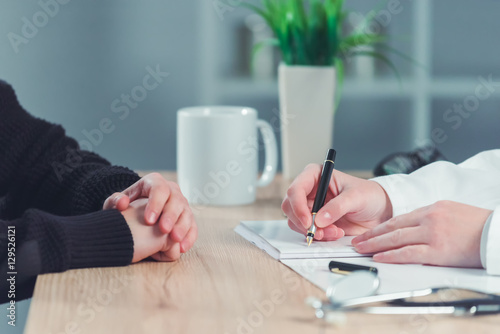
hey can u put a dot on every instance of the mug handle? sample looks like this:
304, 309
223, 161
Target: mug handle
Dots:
271, 155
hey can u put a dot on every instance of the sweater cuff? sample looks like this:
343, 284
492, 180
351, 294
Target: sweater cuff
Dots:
98, 239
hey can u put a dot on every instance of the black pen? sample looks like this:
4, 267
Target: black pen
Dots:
324, 181
347, 268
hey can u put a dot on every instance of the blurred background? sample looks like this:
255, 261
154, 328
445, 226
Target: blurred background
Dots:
78, 67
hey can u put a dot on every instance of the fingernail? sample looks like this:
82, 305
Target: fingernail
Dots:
152, 217
324, 219
117, 198
336, 232
320, 234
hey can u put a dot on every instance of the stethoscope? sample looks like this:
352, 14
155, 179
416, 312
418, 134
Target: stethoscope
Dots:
356, 291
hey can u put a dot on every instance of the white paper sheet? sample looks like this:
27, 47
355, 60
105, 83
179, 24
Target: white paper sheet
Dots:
279, 241
400, 277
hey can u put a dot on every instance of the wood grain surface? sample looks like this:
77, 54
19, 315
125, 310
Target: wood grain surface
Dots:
223, 285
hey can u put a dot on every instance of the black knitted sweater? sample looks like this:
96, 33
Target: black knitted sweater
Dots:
51, 196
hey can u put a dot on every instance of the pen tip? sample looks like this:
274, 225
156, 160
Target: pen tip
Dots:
309, 241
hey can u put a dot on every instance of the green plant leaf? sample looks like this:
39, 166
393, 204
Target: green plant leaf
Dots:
355, 40
317, 32
309, 32
299, 14
286, 40
332, 41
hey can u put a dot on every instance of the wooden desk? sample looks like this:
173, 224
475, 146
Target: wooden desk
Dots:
223, 285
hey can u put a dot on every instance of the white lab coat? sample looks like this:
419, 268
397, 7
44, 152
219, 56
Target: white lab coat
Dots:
475, 181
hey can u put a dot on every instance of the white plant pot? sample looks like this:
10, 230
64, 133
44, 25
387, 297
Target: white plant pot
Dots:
307, 96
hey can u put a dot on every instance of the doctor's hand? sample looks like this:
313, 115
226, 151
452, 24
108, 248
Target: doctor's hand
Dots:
166, 206
149, 240
445, 233
352, 205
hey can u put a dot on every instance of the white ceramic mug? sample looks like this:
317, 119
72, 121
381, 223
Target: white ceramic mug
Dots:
217, 154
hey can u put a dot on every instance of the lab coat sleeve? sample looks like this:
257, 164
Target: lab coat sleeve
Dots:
475, 181
490, 243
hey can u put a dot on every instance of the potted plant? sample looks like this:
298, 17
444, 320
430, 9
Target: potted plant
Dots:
313, 48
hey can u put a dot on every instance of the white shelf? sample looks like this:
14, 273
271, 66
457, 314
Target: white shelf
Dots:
453, 87
378, 88
354, 88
